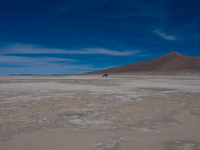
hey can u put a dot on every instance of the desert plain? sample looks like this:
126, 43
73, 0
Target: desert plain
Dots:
88, 112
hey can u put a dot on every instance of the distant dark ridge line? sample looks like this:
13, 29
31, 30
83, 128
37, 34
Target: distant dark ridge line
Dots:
173, 61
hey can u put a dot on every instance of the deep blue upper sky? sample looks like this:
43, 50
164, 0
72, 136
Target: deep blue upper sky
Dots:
77, 36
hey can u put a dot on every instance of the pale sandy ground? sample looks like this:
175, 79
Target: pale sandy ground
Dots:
93, 113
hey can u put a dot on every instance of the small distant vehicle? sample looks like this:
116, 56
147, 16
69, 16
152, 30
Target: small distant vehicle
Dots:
105, 75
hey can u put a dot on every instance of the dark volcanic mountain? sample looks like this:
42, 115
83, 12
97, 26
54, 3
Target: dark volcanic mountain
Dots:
168, 62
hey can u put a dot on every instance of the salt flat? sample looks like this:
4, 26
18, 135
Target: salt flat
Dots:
90, 112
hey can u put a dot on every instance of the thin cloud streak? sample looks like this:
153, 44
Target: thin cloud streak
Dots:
12, 63
41, 65
18, 60
164, 36
17, 48
103, 51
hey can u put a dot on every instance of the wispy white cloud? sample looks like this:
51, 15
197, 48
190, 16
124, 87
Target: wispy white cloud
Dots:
164, 35
41, 65
103, 51
19, 60
17, 48
145, 55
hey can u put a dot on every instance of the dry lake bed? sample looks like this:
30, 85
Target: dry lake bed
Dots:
94, 113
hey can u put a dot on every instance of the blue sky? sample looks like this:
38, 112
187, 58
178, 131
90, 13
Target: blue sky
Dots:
78, 36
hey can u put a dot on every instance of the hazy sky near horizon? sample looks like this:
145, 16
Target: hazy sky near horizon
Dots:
77, 36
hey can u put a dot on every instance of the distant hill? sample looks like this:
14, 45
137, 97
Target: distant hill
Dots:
169, 62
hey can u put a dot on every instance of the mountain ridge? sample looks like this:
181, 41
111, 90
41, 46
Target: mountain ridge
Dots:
168, 62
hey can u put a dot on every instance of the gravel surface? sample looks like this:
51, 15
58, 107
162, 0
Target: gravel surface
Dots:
118, 112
